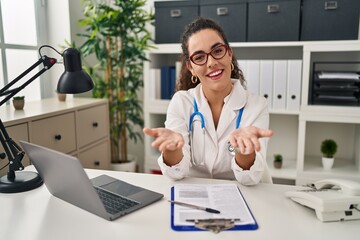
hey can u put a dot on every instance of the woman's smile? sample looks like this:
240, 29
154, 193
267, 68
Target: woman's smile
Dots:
216, 74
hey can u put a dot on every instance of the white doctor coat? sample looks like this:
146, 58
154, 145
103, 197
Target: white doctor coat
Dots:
213, 152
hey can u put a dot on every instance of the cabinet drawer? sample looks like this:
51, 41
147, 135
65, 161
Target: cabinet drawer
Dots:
96, 157
92, 124
16, 132
57, 132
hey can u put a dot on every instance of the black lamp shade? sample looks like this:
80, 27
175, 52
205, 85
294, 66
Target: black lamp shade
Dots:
74, 79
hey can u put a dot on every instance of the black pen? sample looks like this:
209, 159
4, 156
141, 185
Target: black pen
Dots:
210, 210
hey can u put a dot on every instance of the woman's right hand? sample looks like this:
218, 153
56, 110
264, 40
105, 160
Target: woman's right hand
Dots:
165, 139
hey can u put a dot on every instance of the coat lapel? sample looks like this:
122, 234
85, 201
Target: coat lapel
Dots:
232, 104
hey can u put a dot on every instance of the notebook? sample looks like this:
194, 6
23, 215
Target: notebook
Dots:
66, 179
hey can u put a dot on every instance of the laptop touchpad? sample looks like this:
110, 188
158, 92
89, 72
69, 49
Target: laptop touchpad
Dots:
121, 188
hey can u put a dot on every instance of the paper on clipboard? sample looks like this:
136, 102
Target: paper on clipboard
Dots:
223, 197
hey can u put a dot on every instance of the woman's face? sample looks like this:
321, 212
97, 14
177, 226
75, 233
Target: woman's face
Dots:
215, 74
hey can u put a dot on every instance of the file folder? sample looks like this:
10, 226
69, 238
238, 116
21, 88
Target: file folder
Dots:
266, 80
293, 85
280, 79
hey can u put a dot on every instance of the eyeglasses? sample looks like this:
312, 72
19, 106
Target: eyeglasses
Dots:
202, 57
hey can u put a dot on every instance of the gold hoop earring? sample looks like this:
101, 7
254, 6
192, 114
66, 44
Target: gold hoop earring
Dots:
232, 67
194, 79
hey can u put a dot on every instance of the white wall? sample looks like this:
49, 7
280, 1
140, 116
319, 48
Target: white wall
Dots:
58, 29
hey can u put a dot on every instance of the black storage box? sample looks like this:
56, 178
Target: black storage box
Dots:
271, 20
230, 14
171, 18
330, 19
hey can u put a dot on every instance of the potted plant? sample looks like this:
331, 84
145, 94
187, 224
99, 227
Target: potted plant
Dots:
117, 35
278, 160
19, 102
328, 150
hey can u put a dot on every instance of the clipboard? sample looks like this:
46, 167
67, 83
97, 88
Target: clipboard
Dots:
234, 227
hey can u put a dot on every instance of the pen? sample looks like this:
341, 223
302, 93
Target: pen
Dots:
210, 210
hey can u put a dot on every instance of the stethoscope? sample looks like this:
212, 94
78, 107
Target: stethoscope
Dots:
196, 112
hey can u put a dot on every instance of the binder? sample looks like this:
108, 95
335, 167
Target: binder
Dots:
167, 81
253, 76
293, 85
266, 80
279, 93
237, 227
155, 83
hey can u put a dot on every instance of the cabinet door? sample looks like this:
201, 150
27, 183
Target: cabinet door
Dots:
16, 132
92, 124
96, 157
57, 132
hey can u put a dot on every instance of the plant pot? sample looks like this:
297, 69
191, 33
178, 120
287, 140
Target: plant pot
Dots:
129, 166
61, 97
18, 104
327, 163
277, 164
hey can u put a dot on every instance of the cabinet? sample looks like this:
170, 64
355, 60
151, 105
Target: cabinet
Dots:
298, 132
79, 127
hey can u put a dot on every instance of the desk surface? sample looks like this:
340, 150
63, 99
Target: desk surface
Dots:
37, 215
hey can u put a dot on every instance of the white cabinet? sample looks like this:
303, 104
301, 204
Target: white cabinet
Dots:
79, 127
299, 127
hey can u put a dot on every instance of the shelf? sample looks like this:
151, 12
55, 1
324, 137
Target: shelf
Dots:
341, 167
157, 106
297, 134
310, 45
287, 171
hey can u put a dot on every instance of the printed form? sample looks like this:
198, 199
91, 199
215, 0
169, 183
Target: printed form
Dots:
223, 197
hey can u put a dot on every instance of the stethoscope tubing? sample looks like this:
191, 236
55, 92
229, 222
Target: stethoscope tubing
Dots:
202, 119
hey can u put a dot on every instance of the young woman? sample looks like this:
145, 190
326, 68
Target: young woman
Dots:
214, 128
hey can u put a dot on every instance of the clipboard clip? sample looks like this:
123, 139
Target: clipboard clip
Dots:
214, 225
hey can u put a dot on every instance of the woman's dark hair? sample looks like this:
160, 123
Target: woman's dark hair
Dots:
198, 24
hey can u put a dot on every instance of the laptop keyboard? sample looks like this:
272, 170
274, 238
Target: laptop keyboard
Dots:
114, 203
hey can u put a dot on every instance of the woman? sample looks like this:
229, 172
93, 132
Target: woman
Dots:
211, 114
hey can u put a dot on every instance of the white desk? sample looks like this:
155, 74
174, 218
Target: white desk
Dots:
37, 215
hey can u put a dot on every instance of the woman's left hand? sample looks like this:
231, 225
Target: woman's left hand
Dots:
247, 139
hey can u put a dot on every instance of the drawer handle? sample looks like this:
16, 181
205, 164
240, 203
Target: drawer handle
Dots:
273, 8
97, 163
175, 13
279, 96
330, 5
95, 124
293, 97
58, 137
266, 96
222, 11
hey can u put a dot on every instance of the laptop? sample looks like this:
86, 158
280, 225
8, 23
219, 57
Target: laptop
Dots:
105, 196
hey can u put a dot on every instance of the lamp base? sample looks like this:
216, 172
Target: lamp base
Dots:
24, 181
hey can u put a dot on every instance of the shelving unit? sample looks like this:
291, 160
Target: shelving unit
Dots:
298, 134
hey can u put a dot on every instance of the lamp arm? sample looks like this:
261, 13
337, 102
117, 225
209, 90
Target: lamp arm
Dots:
13, 151
48, 63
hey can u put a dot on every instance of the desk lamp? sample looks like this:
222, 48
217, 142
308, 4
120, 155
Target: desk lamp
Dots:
73, 80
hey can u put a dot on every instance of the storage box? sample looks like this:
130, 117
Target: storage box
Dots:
274, 20
230, 14
330, 19
171, 18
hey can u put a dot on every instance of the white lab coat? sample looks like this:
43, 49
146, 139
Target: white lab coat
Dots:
218, 162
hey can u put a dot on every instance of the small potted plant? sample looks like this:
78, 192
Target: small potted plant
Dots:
328, 150
278, 160
61, 96
19, 102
